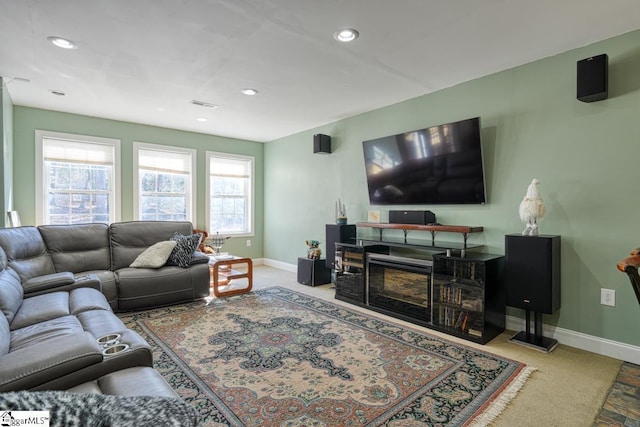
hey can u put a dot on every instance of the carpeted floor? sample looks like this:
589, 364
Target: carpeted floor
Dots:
568, 388
281, 358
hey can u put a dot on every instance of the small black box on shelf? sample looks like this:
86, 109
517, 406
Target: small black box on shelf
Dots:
412, 217
313, 272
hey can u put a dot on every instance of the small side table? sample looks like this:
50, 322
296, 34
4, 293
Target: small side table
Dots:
222, 273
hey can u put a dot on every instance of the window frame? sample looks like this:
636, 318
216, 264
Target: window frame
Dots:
250, 198
40, 184
191, 203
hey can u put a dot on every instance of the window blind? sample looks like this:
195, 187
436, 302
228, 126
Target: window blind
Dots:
77, 152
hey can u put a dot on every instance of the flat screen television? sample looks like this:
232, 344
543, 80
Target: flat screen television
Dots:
437, 165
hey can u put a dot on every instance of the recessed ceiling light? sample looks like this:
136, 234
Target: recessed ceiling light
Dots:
62, 42
57, 92
249, 91
346, 35
202, 119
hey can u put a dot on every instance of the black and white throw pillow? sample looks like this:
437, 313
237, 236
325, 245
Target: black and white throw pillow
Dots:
186, 245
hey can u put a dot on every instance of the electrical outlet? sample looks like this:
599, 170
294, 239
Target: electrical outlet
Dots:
608, 297
248, 242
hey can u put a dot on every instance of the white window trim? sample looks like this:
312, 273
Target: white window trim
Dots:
40, 183
191, 216
251, 210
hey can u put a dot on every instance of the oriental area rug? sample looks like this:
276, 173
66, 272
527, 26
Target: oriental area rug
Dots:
275, 357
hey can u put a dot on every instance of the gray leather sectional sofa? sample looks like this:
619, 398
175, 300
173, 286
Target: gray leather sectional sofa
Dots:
59, 288
70, 256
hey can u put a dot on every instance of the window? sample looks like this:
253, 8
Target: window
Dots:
77, 179
165, 184
230, 190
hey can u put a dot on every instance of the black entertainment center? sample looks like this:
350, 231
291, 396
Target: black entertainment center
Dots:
450, 287
446, 287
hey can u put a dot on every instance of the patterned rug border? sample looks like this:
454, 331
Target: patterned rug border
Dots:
486, 406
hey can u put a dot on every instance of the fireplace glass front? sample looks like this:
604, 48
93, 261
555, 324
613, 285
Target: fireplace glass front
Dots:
400, 285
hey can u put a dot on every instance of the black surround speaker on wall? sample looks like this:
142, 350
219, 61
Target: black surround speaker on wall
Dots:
412, 217
592, 78
321, 144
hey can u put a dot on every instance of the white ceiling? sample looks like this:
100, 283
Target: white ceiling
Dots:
143, 61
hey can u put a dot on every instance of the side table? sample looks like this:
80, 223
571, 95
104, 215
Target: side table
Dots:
222, 273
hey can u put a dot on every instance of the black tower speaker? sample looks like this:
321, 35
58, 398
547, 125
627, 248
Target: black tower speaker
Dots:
593, 80
321, 144
532, 272
337, 233
532, 276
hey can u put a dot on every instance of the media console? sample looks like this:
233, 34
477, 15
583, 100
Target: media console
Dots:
457, 291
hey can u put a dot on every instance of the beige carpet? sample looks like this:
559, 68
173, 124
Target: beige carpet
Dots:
567, 389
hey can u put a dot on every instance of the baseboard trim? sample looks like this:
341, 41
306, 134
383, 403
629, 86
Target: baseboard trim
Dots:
281, 265
597, 345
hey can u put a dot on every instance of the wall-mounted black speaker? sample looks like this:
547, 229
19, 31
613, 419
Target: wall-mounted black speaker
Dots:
593, 80
321, 144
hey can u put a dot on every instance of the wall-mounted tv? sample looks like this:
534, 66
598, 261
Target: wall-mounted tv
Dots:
437, 165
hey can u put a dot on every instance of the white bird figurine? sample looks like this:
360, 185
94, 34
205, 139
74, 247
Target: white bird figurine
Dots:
532, 209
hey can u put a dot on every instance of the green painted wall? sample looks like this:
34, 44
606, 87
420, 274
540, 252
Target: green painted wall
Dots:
585, 155
6, 167
28, 120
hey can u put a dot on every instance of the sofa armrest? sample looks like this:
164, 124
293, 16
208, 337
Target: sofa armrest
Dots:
48, 282
46, 360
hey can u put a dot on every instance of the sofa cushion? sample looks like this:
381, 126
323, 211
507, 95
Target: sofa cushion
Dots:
49, 331
144, 287
140, 380
85, 299
26, 252
11, 294
155, 256
130, 239
41, 308
90, 409
186, 245
78, 247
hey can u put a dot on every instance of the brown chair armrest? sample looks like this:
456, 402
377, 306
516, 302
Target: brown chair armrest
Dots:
631, 262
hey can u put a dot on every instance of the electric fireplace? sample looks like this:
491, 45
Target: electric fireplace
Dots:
399, 285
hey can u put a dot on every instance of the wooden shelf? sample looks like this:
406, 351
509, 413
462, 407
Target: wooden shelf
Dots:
462, 229
434, 228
